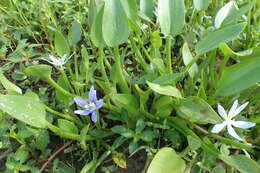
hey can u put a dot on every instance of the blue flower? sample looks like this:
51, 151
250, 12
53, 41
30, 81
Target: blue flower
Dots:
91, 107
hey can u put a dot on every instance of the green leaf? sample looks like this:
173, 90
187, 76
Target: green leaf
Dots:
241, 163
227, 51
42, 139
215, 38
96, 33
197, 110
236, 14
9, 86
130, 7
224, 12
61, 45
140, 125
122, 131
194, 143
165, 90
67, 126
147, 135
239, 77
218, 169
24, 108
147, 7
115, 25
201, 4
187, 58
42, 71
171, 15
166, 161
75, 33
127, 101
62, 98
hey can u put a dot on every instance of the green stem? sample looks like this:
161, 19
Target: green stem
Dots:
144, 49
121, 79
65, 116
139, 55
65, 78
55, 85
103, 70
168, 54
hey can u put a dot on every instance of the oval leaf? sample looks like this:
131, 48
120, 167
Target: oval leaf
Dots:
213, 39
242, 163
166, 161
42, 71
9, 86
171, 15
115, 25
201, 4
96, 34
224, 12
197, 110
239, 77
165, 90
187, 58
61, 45
23, 108
146, 7
67, 126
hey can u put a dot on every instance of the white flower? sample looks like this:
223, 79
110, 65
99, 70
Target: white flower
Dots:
229, 121
59, 62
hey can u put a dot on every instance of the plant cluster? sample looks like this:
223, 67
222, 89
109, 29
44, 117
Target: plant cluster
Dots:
174, 82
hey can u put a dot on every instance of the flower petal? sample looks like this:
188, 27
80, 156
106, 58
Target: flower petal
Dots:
233, 108
53, 58
239, 109
232, 132
80, 102
243, 124
218, 127
94, 116
222, 112
99, 104
92, 95
82, 112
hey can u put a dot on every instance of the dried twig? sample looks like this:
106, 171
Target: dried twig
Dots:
54, 155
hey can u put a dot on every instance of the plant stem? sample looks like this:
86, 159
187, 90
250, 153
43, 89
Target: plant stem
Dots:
103, 70
58, 87
139, 55
66, 116
168, 54
65, 78
121, 80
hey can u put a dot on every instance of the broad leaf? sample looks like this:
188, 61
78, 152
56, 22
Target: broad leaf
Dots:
213, 39
242, 163
224, 12
127, 101
187, 58
130, 7
61, 44
166, 161
115, 25
171, 15
197, 110
67, 126
96, 33
42, 71
23, 108
9, 86
239, 77
165, 90
75, 33
147, 7
201, 4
